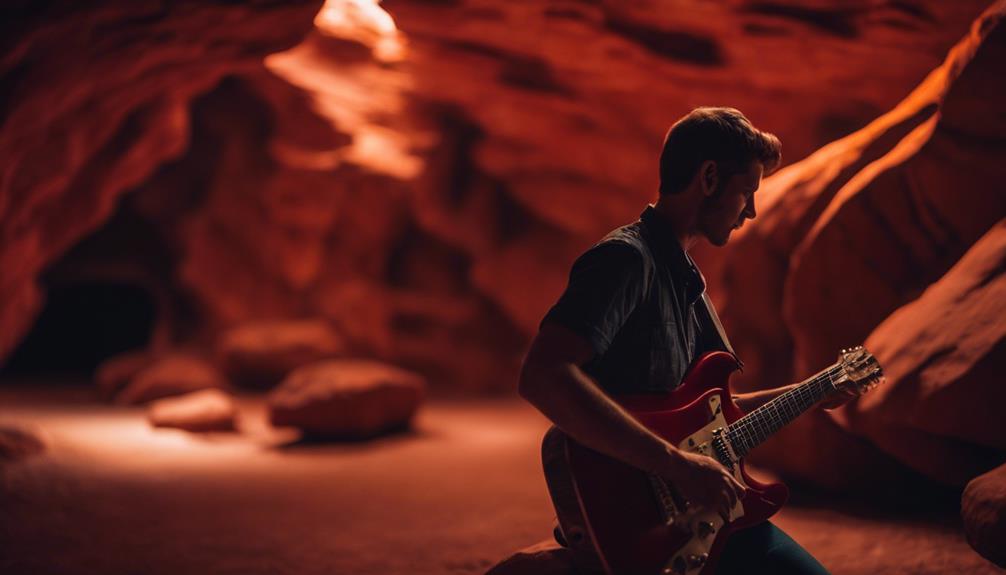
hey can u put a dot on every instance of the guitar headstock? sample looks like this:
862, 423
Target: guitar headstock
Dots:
860, 371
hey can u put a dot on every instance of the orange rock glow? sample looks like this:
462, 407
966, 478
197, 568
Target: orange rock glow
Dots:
215, 195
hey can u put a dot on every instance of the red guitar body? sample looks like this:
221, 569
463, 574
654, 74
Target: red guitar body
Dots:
614, 518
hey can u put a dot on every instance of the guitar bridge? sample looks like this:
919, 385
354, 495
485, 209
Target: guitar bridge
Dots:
722, 449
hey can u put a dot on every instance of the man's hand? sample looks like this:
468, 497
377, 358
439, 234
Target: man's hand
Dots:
703, 482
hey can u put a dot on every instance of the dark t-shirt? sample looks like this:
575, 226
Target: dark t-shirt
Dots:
634, 296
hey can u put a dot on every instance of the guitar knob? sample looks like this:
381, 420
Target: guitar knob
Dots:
706, 529
696, 561
678, 567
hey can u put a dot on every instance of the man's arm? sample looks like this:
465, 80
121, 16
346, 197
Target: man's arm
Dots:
552, 381
749, 402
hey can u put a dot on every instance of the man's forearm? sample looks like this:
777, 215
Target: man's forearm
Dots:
567, 396
749, 402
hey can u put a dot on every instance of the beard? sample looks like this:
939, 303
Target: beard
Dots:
711, 212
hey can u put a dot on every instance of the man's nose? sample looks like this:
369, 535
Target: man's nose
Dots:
749, 209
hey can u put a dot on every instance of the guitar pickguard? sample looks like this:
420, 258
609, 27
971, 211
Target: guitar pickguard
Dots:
704, 524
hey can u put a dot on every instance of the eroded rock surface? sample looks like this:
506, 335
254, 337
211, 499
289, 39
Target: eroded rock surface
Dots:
427, 200
864, 224
543, 558
983, 508
115, 373
941, 409
170, 375
95, 99
261, 354
199, 411
17, 443
346, 399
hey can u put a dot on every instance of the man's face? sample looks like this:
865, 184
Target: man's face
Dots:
730, 205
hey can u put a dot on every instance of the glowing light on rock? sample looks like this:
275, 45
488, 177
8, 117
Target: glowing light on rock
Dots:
366, 22
363, 99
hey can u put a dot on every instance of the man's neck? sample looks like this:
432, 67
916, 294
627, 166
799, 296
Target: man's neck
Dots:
680, 212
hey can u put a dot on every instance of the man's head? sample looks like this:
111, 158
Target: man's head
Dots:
717, 154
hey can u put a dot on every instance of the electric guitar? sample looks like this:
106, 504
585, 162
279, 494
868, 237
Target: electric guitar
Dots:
624, 521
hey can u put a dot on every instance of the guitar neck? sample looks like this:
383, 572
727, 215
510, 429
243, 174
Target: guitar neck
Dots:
751, 430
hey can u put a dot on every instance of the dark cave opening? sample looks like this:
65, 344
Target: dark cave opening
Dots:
81, 325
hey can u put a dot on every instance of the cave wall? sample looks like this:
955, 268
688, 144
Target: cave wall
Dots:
95, 97
424, 190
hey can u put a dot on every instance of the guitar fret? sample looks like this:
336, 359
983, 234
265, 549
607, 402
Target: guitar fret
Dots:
753, 429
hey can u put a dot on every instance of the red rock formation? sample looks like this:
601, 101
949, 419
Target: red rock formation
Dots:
199, 411
169, 376
262, 354
17, 443
346, 399
983, 508
903, 220
93, 105
426, 200
115, 373
780, 266
943, 354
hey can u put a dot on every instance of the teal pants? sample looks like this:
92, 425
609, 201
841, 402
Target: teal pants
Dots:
765, 548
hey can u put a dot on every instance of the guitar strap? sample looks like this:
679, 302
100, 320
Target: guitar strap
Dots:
707, 305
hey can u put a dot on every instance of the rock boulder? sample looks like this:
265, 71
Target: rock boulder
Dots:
346, 398
206, 410
168, 376
983, 508
260, 354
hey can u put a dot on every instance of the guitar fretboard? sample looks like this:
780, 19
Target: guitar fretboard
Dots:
751, 430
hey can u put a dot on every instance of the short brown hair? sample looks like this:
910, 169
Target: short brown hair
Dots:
723, 135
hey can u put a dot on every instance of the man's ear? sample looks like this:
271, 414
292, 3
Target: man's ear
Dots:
708, 177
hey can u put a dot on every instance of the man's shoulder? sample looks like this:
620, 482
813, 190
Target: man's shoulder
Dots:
623, 252
629, 233
626, 241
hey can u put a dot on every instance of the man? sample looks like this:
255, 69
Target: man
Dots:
631, 321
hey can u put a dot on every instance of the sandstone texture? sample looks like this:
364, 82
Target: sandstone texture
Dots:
262, 354
983, 508
887, 199
346, 399
93, 106
18, 443
887, 236
543, 558
168, 376
423, 188
943, 355
199, 411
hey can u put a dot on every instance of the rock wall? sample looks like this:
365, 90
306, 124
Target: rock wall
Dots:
891, 235
424, 190
95, 98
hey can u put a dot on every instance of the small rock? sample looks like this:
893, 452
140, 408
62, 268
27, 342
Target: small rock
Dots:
543, 558
983, 508
346, 398
117, 371
168, 376
17, 444
260, 355
206, 410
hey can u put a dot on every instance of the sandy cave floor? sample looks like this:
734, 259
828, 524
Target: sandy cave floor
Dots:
112, 495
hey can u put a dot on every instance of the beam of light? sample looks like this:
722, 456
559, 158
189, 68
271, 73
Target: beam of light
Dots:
363, 99
366, 22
